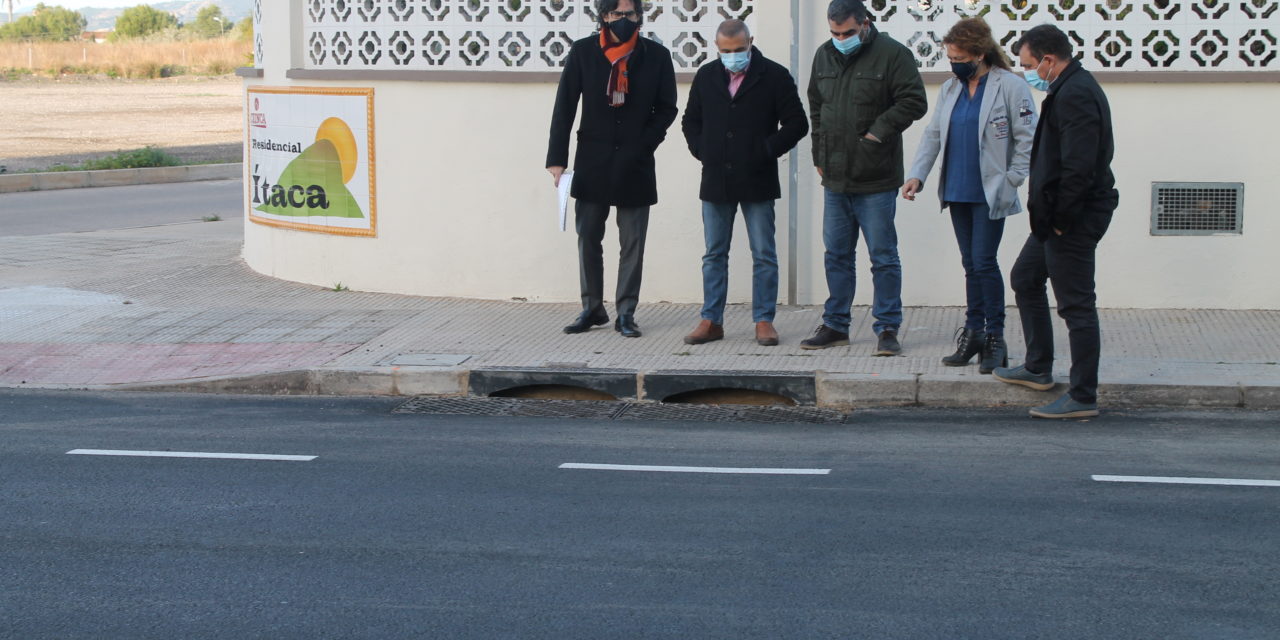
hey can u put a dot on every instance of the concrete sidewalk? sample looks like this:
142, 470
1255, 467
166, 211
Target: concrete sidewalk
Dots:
47, 181
174, 308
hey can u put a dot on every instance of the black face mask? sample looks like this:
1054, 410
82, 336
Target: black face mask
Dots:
623, 28
964, 70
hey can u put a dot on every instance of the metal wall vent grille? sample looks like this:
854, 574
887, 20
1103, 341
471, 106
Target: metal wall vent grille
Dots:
1197, 208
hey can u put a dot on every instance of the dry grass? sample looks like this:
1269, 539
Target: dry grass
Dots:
125, 59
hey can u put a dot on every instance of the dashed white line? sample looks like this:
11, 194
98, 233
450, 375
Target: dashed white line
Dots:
1232, 482
190, 454
665, 469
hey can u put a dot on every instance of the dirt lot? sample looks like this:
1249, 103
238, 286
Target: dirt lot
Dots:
47, 122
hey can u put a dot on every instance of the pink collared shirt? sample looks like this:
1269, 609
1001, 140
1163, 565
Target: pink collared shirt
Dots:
735, 80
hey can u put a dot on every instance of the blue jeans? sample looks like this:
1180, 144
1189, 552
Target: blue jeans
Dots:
717, 227
979, 239
843, 215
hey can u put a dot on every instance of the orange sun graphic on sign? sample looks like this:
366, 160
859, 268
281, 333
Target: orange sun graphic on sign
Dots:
339, 134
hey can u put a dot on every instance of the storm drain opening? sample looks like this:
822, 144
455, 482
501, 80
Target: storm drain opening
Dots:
553, 383
555, 392
764, 388
730, 396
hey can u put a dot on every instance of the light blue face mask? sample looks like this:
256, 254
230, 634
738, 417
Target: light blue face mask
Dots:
848, 45
1034, 79
736, 62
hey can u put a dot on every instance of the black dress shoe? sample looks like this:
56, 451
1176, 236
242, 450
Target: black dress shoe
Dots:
626, 325
587, 320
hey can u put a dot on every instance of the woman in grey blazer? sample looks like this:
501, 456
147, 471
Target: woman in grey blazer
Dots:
983, 127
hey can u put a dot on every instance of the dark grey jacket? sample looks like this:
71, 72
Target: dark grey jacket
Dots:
875, 90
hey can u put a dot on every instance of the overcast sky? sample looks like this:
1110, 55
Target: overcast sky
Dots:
77, 4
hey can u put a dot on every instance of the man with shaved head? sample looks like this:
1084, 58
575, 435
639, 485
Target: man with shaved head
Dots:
744, 113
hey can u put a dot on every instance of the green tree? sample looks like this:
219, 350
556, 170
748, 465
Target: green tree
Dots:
141, 20
209, 23
45, 23
243, 31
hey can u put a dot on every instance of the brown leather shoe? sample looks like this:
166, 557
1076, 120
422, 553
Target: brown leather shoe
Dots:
766, 335
706, 332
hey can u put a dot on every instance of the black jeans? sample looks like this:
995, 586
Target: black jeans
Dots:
1067, 262
633, 228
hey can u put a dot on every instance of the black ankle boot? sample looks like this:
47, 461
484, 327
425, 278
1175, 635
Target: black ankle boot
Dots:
995, 353
968, 344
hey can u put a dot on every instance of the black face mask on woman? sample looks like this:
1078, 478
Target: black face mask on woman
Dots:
964, 70
623, 28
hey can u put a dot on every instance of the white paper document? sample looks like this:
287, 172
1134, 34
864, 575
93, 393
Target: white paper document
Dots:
566, 181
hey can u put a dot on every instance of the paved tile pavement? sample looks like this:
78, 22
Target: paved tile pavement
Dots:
176, 302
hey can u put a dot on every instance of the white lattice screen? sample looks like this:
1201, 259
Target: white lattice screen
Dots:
495, 35
1111, 35
257, 33
534, 35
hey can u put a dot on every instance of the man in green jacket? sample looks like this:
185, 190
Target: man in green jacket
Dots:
865, 90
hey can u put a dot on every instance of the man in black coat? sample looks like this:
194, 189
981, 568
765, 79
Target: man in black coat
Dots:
744, 113
1072, 197
628, 91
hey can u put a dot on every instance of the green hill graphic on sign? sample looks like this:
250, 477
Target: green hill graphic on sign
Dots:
311, 186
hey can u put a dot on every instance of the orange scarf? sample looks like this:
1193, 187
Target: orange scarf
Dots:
617, 53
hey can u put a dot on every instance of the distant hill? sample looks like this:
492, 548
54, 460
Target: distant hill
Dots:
185, 10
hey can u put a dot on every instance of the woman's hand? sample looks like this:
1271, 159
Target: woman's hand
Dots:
911, 188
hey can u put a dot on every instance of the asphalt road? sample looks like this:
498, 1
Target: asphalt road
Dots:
31, 213
930, 524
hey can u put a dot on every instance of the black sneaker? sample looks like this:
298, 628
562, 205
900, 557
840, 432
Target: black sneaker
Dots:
888, 345
825, 337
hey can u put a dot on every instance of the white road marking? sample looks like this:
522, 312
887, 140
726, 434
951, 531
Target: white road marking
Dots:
743, 470
1233, 482
189, 454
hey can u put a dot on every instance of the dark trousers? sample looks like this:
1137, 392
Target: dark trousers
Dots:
633, 227
979, 239
1067, 262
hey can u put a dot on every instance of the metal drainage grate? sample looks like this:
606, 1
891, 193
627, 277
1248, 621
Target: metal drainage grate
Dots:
1197, 208
626, 411
514, 407
732, 413
679, 413
782, 415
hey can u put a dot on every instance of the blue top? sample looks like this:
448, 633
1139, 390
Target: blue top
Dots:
963, 175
